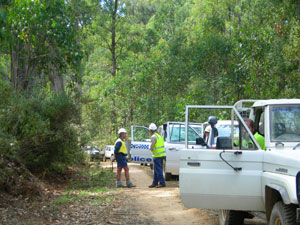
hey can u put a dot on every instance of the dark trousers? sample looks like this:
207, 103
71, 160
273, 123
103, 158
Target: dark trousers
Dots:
158, 171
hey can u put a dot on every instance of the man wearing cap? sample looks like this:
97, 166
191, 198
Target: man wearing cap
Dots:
158, 153
120, 155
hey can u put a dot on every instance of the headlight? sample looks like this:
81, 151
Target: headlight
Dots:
298, 186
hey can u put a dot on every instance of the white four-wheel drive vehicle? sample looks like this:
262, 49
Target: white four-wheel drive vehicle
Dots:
174, 136
109, 152
237, 177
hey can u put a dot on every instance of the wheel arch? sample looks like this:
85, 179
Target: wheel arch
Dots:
273, 194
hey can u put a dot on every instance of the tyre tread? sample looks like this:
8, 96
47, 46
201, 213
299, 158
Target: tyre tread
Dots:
234, 218
288, 213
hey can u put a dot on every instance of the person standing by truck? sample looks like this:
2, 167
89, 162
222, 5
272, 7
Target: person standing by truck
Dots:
259, 138
120, 154
159, 154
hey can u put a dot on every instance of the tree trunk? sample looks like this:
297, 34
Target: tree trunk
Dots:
114, 63
57, 81
19, 67
113, 40
299, 16
23, 68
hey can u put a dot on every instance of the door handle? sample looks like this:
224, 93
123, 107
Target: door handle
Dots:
195, 164
172, 149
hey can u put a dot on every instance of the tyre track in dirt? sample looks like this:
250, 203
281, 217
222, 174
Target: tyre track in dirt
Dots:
143, 205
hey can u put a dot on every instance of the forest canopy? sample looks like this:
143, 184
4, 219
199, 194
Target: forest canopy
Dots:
74, 71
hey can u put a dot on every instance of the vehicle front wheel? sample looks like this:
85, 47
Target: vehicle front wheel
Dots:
283, 214
231, 217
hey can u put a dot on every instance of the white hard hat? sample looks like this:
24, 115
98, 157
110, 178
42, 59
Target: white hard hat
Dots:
122, 130
152, 126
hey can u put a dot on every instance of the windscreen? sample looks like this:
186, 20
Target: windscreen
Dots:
225, 130
285, 123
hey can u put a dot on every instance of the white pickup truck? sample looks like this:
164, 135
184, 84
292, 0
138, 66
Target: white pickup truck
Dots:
239, 180
174, 135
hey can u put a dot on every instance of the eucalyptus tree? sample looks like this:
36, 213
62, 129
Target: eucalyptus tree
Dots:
261, 30
41, 37
115, 38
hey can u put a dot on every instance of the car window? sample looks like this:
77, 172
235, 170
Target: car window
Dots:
225, 130
175, 133
140, 134
178, 133
242, 139
285, 123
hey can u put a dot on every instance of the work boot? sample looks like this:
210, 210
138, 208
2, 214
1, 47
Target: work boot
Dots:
119, 184
160, 185
152, 186
129, 184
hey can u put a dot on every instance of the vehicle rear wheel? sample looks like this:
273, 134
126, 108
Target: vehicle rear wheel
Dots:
231, 217
168, 176
283, 214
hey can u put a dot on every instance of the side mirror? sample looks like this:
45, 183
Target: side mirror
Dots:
200, 141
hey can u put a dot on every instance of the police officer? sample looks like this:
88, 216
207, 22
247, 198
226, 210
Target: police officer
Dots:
158, 153
120, 154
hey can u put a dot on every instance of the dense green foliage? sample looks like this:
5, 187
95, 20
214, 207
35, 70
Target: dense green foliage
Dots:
183, 52
40, 66
39, 130
132, 62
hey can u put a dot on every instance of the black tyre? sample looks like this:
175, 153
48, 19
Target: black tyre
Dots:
168, 176
231, 217
151, 166
283, 214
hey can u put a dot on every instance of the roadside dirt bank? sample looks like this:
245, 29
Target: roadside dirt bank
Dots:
119, 206
143, 205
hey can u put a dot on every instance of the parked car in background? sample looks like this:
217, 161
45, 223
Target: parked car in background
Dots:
93, 152
109, 152
174, 135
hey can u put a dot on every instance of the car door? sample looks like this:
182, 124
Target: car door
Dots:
140, 145
223, 178
175, 143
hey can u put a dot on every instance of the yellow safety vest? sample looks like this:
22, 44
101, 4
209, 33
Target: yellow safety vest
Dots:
248, 144
123, 148
159, 147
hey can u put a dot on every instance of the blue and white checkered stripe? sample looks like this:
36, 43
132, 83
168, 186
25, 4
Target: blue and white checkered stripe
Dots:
140, 146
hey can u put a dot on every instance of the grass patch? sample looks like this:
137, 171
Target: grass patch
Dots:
93, 177
91, 184
64, 199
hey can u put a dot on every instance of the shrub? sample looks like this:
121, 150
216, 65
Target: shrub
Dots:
38, 129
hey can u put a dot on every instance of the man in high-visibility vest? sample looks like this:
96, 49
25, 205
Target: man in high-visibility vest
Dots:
158, 153
248, 143
120, 154
259, 138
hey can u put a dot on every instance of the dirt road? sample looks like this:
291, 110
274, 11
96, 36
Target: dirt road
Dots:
143, 205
